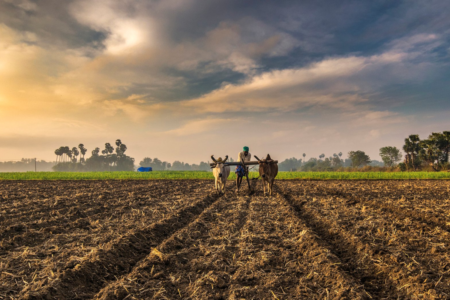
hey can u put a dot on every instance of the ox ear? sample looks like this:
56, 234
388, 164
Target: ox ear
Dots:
226, 157
214, 160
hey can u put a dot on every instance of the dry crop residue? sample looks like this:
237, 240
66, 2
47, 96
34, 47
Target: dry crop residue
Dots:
180, 240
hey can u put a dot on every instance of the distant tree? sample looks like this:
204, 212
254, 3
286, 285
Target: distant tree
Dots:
83, 152
336, 162
412, 149
359, 158
340, 154
59, 152
430, 154
321, 156
441, 143
304, 155
290, 164
146, 162
390, 155
310, 165
155, 164
75, 153
96, 151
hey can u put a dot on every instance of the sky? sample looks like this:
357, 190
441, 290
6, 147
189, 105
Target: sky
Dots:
184, 79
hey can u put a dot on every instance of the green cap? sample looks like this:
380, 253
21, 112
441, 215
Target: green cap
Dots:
245, 148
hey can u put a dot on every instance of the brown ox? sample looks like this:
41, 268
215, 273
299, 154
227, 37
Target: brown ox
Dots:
268, 170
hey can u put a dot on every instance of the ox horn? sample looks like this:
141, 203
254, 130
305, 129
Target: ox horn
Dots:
226, 157
214, 160
257, 158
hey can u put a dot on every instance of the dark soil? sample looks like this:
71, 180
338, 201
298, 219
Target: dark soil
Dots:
180, 240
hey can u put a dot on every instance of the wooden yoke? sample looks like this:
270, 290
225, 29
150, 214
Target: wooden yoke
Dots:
247, 163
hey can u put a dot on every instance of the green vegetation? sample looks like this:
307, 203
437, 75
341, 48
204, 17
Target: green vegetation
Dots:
208, 175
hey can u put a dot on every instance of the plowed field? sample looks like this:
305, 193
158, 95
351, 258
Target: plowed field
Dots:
180, 240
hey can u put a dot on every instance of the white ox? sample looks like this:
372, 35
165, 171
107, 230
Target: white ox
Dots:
221, 173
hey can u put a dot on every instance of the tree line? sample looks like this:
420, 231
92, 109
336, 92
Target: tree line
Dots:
356, 159
432, 152
113, 159
107, 159
428, 154
158, 165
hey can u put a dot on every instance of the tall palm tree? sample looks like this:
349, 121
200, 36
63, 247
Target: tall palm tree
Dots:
82, 151
75, 153
67, 152
57, 154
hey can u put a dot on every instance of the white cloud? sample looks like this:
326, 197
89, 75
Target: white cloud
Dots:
124, 33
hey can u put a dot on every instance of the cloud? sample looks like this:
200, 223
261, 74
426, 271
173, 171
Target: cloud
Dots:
297, 72
23, 4
200, 126
333, 82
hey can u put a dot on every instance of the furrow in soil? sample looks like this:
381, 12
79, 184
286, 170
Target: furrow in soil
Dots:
193, 263
114, 259
280, 258
383, 274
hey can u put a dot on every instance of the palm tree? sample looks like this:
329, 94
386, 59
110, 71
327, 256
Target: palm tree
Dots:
75, 154
82, 151
57, 154
96, 151
123, 148
67, 152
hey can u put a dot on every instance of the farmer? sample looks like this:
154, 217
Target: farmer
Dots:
240, 171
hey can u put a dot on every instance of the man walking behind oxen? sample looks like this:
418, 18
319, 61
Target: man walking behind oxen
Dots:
240, 171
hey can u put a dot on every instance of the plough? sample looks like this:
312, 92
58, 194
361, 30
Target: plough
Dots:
239, 163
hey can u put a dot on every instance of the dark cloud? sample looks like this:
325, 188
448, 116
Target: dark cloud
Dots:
51, 21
